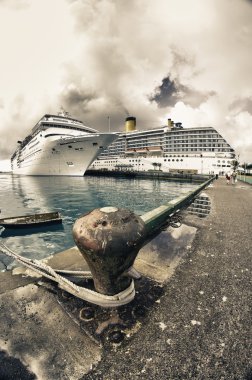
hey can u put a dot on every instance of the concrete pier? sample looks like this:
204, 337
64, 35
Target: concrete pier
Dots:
199, 327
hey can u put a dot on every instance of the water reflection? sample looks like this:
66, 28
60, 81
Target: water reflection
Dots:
72, 197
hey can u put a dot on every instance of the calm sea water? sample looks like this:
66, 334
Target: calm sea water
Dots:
72, 197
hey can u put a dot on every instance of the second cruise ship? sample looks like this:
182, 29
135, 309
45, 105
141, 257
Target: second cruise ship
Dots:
171, 148
59, 145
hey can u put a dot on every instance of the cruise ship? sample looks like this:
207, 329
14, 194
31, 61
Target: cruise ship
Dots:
171, 148
59, 145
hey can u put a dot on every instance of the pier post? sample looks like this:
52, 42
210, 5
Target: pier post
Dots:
109, 239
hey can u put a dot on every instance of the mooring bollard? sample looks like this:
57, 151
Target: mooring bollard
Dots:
109, 239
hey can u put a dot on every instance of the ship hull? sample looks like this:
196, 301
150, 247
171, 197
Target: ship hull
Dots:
190, 164
61, 157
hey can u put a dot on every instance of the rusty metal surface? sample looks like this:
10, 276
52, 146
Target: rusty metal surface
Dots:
115, 326
109, 240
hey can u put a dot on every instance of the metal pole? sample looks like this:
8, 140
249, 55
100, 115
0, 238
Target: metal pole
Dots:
109, 123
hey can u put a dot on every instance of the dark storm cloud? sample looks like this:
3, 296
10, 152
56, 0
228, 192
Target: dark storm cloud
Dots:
166, 95
75, 97
80, 104
170, 92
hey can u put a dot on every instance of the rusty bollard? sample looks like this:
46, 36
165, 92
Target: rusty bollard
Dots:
109, 239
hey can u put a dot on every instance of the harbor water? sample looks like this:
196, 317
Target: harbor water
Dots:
72, 197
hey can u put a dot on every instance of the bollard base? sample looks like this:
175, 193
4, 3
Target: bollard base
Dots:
113, 326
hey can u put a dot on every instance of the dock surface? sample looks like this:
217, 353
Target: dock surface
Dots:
199, 328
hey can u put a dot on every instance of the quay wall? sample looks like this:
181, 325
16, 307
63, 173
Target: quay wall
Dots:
152, 174
155, 218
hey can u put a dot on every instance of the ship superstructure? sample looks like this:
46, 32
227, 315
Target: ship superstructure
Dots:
171, 148
59, 145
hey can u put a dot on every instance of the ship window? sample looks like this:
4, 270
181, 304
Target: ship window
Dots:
69, 146
95, 143
55, 134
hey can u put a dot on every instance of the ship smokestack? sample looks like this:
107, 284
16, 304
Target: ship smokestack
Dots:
130, 124
170, 123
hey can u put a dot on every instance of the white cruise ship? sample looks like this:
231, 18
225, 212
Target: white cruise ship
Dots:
59, 145
171, 148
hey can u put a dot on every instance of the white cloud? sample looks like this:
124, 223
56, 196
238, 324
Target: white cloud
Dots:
5, 165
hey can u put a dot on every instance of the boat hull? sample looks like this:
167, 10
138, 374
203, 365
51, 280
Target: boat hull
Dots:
61, 157
190, 164
31, 225
30, 221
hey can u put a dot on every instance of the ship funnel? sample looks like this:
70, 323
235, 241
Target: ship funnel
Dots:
170, 123
130, 124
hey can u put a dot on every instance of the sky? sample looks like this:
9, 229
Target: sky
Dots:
188, 60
